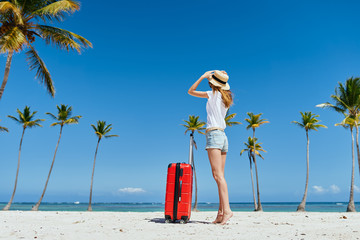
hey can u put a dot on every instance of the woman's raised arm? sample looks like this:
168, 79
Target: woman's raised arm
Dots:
192, 91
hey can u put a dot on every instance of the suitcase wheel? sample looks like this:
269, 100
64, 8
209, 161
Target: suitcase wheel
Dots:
168, 221
182, 221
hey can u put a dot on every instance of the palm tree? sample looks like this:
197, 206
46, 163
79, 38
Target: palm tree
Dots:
3, 129
250, 149
63, 118
229, 117
347, 100
23, 20
193, 125
349, 122
308, 122
101, 130
26, 119
254, 122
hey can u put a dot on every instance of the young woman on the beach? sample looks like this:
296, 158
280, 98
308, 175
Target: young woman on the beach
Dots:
219, 101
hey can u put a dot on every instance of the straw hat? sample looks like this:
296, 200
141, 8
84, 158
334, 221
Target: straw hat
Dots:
219, 79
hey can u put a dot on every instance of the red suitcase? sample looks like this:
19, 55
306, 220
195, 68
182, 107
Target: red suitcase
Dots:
178, 192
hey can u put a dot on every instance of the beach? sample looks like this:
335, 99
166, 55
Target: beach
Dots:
151, 225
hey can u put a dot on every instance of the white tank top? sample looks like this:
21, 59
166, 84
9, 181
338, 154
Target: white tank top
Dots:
216, 110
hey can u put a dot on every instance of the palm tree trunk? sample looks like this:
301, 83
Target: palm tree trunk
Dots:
192, 162
7, 71
351, 205
301, 207
357, 144
7, 207
36, 207
196, 201
92, 176
252, 182
259, 207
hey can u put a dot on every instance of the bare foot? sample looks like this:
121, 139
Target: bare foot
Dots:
218, 218
226, 217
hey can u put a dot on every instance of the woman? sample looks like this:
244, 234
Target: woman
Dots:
219, 101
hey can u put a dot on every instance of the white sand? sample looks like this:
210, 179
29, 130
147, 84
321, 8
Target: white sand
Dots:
150, 225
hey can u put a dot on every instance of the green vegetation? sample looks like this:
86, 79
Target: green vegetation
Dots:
347, 102
229, 117
255, 121
26, 119
23, 21
63, 118
194, 125
3, 129
101, 130
308, 122
250, 150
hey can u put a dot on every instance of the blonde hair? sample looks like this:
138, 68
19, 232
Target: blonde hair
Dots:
226, 95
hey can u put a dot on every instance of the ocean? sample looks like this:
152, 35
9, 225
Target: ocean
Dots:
159, 207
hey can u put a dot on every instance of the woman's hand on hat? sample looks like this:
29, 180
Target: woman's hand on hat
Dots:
207, 74
224, 72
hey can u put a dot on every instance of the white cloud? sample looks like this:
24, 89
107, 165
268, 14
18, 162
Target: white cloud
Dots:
131, 190
356, 189
319, 189
334, 189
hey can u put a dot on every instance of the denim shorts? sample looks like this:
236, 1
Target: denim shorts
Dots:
217, 139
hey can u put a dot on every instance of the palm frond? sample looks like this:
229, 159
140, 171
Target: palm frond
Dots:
244, 150
63, 39
250, 147
73, 120
340, 103
64, 116
14, 118
7, 7
13, 40
35, 123
346, 98
254, 121
54, 124
110, 136
325, 105
194, 124
42, 73
228, 117
57, 10
102, 129
348, 122
230, 124
26, 118
52, 116
4, 129
309, 121
29, 114
316, 126
298, 124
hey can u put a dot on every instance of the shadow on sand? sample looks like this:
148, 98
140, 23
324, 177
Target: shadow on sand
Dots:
162, 220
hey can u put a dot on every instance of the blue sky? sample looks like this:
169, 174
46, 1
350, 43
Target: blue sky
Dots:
282, 57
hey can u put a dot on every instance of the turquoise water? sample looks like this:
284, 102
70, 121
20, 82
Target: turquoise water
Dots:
159, 207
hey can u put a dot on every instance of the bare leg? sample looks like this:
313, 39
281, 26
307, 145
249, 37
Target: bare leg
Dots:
217, 162
219, 216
